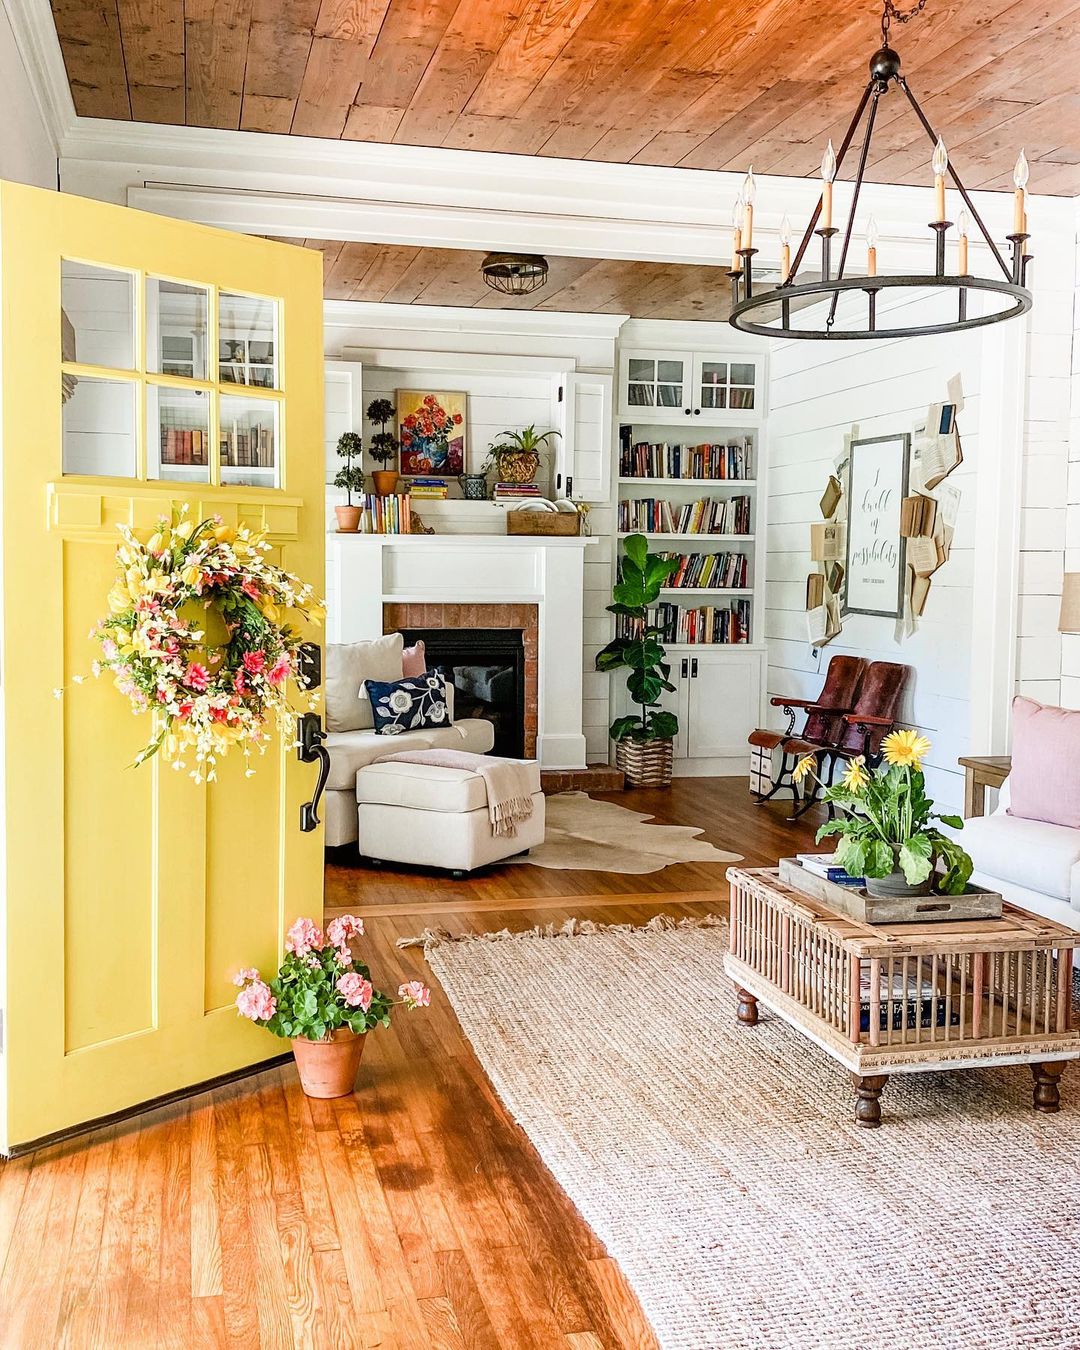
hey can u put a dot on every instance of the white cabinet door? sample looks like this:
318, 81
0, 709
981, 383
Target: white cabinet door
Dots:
344, 409
588, 438
655, 386
723, 702
726, 387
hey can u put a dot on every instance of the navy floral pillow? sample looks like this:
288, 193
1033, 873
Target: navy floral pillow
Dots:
413, 704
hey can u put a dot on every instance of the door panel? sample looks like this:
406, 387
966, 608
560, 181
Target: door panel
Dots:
133, 894
723, 703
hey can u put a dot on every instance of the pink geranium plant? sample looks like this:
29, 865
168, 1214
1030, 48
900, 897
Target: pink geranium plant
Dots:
320, 986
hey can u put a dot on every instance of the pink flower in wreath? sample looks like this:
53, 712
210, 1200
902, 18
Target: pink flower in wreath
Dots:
250, 589
340, 930
197, 677
304, 936
256, 1002
239, 683
280, 671
108, 649
254, 662
415, 994
184, 709
355, 991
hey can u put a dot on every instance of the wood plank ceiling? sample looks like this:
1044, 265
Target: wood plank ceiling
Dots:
703, 84
397, 274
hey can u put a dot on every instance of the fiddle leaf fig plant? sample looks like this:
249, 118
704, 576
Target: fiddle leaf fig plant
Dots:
642, 575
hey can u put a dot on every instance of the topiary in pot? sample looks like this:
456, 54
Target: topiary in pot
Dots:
350, 476
644, 740
384, 446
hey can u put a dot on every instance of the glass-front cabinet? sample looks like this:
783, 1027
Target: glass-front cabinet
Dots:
167, 380
720, 390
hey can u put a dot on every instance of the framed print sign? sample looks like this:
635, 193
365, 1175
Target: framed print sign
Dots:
877, 485
431, 429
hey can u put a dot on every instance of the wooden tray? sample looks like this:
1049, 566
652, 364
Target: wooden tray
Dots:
543, 522
853, 901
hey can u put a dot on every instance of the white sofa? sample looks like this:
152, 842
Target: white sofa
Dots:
351, 746
1033, 864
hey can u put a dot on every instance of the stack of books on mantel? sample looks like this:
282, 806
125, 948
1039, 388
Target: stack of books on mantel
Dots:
386, 515
516, 492
429, 489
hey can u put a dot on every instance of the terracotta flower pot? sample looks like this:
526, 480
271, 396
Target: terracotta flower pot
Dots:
385, 481
329, 1068
348, 519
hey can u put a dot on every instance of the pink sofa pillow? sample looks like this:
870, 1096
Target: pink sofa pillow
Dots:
1044, 783
413, 661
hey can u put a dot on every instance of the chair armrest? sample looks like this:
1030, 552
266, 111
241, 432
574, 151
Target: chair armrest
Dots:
868, 720
807, 703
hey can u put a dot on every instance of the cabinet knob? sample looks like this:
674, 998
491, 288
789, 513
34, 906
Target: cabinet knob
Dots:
697, 412
684, 666
688, 412
693, 669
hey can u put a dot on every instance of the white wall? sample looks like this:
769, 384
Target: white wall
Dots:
1070, 642
27, 152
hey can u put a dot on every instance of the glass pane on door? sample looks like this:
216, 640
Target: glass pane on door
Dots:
249, 440
176, 328
178, 440
247, 340
98, 426
97, 315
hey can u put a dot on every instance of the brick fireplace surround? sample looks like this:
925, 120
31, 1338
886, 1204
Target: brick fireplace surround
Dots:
520, 617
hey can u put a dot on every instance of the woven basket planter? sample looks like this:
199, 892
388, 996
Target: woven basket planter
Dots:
517, 466
645, 763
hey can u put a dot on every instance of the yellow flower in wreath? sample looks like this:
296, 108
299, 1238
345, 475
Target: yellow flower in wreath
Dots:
906, 748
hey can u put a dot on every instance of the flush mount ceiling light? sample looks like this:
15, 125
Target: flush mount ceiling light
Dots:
515, 273
770, 312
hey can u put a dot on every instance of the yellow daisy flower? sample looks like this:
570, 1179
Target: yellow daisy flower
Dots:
855, 776
905, 748
804, 766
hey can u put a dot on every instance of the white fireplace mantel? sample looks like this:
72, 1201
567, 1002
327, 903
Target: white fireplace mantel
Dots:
366, 571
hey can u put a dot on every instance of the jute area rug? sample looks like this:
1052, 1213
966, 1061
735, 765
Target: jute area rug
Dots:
582, 834
721, 1166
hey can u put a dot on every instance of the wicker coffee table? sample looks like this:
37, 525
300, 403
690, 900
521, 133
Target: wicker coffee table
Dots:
905, 998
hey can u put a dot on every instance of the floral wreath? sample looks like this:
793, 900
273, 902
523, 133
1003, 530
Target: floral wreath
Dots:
196, 636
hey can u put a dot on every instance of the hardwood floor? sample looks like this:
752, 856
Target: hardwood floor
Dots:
412, 1214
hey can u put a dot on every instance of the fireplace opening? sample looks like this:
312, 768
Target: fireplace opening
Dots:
487, 669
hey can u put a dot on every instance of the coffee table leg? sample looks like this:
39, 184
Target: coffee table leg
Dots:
868, 1094
1046, 1096
747, 1010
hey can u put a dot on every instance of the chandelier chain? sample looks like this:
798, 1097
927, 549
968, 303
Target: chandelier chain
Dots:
891, 13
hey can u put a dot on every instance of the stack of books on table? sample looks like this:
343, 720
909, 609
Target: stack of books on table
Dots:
822, 865
386, 515
429, 489
516, 492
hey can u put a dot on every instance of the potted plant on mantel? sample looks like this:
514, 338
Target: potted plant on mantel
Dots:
323, 1001
516, 456
885, 833
350, 476
384, 446
644, 741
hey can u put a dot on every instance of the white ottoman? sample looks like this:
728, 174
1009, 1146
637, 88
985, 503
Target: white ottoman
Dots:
431, 816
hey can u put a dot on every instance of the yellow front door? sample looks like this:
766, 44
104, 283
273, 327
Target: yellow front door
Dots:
146, 363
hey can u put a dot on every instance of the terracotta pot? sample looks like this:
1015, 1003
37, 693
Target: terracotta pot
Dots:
645, 763
329, 1068
348, 519
386, 481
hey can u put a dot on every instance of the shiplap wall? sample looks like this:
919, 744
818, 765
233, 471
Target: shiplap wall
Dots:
1070, 642
496, 402
818, 390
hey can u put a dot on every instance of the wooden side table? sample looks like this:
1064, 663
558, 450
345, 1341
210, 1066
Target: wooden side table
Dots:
982, 772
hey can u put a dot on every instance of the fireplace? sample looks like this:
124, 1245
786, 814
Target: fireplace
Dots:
487, 669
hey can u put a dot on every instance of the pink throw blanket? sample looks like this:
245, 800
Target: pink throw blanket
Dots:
509, 786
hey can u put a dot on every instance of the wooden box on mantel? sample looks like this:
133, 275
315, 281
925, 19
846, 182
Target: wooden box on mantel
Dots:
853, 901
543, 522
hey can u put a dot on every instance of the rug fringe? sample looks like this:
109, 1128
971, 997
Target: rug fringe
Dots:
659, 923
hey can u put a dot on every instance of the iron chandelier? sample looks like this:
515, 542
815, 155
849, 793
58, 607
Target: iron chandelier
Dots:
769, 312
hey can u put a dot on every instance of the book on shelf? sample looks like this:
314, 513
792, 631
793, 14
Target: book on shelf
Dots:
386, 515
707, 515
700, 571
904, 1002
707, 625
732, 460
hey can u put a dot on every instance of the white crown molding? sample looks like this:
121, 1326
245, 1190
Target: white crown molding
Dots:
445, 318
35, 36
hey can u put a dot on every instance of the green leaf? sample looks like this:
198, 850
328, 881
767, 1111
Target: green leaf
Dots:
636, 548
663, 725
644, 687
851, 856
829, 828
613, 656
915, 859
954, 821
879, 858
958, 865
623, 727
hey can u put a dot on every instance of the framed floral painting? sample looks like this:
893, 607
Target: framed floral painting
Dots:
431, 429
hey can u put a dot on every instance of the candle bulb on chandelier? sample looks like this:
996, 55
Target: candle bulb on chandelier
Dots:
749, 192
736, 234
940, 164
1020, 178
871, 247
785, 248
962, 248
828, 173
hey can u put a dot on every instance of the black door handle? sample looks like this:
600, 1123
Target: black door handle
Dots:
569, 486
687, 412
697, 412
310, 750
693, 669
684, 665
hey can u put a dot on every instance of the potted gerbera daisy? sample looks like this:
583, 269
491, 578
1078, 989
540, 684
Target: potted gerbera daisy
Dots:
885, 831
323, 1001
